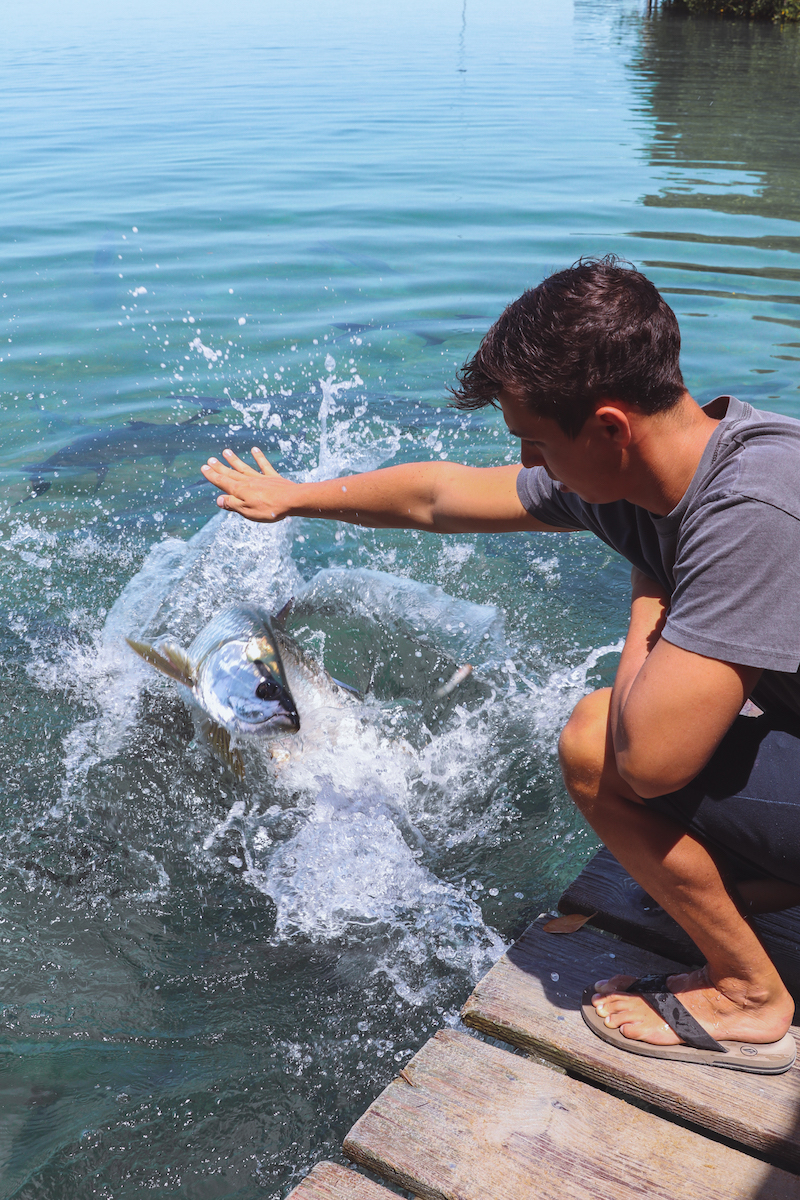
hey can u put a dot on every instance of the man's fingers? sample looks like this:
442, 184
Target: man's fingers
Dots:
236, 462
263, 462
231, 503
224, 476
218, 473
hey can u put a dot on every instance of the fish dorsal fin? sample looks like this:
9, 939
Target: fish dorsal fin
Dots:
280, 617
346, 687
220, 742
171, 660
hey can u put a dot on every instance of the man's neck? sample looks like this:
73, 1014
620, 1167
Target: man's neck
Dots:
666, 453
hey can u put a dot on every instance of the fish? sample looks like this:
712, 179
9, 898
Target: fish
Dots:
434, 331
136, 440
233, 673
366, 262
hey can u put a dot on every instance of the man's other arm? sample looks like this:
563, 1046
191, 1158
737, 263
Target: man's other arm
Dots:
439, 497
670, 708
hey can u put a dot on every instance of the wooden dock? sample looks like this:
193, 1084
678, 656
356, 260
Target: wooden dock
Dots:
560, 1115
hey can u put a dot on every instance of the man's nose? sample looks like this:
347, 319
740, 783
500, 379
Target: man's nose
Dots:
529, 456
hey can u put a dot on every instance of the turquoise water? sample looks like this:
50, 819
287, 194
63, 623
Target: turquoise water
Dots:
290, 226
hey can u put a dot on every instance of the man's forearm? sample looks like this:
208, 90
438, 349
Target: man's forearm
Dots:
649, 606
670, 707
401, 497
648, 614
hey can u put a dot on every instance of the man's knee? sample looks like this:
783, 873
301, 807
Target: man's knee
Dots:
583, 746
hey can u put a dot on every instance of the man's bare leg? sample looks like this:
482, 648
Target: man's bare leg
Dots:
738, 995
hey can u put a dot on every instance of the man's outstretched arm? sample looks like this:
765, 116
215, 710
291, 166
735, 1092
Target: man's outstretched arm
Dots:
670, 708
439, 497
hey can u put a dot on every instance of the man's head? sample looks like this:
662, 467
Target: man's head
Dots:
596, 331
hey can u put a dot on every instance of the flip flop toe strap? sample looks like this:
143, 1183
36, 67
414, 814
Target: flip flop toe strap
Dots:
655, 991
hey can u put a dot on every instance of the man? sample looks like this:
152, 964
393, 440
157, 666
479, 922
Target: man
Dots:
698, 803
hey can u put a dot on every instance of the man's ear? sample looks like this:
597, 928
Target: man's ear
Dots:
615, 422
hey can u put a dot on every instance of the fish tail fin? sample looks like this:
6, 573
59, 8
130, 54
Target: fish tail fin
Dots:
38, 488
170, 660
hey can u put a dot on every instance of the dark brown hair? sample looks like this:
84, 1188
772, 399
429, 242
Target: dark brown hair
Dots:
597, 330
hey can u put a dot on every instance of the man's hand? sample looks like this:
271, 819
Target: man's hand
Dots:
261, 495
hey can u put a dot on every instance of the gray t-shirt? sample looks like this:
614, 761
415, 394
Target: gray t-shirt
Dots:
728, 553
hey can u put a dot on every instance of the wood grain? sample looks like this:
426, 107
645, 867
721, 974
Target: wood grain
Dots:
621, 906
329, 1181
531, 998
478, 1123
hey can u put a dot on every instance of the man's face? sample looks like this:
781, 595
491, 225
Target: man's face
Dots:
587, 465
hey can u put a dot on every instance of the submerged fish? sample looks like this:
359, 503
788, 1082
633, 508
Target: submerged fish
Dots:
234, 675
136, 440
433, 330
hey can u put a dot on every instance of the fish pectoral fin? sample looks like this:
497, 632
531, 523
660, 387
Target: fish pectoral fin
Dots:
220, 742
169, 659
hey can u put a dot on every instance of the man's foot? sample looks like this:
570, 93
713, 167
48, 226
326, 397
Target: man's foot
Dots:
735, 1013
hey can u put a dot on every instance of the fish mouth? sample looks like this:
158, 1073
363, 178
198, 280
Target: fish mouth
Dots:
285, 720
287, 723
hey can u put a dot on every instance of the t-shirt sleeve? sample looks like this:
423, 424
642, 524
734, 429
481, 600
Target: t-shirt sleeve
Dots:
541, 497
737, 585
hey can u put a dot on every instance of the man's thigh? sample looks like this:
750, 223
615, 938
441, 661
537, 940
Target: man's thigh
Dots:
746, 800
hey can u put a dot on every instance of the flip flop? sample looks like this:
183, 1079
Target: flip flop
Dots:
763, 1058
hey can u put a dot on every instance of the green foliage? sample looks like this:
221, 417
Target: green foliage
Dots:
774, 10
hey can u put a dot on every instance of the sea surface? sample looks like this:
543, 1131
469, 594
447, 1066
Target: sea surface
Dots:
288, 225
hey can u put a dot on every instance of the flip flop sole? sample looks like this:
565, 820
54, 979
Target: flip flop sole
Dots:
769, 1058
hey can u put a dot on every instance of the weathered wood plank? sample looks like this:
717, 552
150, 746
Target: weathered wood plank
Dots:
329, 1181
531, 998
471, 1122
624, 908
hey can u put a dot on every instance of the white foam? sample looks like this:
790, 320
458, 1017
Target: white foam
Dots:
349, 874
208, 354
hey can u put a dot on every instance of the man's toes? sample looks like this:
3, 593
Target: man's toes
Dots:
614, 1005
615, 1014
617, 983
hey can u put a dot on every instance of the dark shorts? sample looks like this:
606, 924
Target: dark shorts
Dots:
746, 800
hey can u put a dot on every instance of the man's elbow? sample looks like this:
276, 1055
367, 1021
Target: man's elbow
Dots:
649, 778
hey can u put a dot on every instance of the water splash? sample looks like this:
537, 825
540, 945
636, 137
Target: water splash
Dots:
352, 873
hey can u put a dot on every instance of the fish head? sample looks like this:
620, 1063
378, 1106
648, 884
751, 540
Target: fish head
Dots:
245, 695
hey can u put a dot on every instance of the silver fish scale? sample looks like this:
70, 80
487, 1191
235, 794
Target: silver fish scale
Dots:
238, 623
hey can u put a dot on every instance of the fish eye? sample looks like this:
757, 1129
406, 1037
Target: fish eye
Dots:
268, 690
